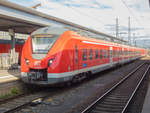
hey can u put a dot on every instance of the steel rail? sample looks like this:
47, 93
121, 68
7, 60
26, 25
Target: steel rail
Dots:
144, 75
111, 89
42, 97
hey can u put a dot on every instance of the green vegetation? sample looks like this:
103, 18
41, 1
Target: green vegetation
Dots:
14, 92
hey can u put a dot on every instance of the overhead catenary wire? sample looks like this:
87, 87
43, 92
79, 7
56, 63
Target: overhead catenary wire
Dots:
89, 16
138, 22
85, 14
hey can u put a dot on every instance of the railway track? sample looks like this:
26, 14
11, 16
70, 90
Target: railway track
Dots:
24, 101
117, 99
18, 103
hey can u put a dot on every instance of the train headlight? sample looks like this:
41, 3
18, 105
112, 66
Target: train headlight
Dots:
27, 61
50, 61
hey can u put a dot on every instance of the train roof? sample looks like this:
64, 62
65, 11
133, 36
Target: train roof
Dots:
58, 30
83, 32
49, 30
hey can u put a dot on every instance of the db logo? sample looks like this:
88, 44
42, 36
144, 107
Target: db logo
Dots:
37, 63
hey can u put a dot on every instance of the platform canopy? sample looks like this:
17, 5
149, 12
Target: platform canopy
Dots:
25, 20
22, 19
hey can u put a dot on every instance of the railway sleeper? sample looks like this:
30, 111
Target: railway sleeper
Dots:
118, 99
116, 95
108, 103
115, 101
110, 106
101, 112
109, 110
104, 111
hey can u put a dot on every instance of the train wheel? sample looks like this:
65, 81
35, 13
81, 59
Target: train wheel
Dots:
69, 83
89, 74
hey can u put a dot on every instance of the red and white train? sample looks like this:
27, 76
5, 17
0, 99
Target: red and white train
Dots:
54, 55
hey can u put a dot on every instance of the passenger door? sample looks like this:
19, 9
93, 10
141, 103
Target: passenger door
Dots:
76, 58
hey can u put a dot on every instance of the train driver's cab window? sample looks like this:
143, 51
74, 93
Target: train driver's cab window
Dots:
90, 54
84, 55
41, 43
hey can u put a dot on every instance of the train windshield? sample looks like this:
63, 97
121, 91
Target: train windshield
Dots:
42, 43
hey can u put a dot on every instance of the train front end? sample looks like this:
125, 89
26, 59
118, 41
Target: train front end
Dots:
38, 58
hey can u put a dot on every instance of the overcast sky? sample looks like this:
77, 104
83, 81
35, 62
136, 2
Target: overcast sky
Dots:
100, 14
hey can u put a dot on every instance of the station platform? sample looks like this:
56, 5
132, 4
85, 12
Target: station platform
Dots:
146, 106
9, 75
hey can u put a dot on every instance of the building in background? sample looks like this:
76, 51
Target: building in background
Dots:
5, 47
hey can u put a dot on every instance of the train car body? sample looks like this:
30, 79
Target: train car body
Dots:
56, 55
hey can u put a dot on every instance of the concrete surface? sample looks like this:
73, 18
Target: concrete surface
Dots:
9, 75
146, 106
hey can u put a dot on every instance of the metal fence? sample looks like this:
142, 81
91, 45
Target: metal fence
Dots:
6, 61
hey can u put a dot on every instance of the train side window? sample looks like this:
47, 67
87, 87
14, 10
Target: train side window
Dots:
90, 54
76, 54
107, 53
96, 53
113, 53
121, 53
84, 54
118, 53
124, 53
101, 54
